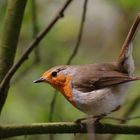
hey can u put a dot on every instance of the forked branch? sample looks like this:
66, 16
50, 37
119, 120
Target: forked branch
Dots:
31, 46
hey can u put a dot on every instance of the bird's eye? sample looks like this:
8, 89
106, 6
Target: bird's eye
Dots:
54, 74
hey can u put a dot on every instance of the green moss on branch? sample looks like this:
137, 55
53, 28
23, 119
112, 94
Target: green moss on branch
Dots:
64, 127
9, 40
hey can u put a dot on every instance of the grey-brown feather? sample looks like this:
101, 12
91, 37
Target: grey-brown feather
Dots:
98, 76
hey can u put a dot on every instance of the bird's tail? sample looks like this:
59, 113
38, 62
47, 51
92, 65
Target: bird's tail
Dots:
125, 59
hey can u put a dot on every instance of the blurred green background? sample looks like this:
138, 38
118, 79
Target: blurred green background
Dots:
106, 27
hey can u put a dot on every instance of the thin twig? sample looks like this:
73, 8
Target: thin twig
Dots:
23, 73
52, 106
131, 109
74, 52
7, 131
31, 46
35, 28
80, 34
36, 51
123, 119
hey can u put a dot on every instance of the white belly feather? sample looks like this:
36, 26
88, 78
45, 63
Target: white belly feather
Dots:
101, 101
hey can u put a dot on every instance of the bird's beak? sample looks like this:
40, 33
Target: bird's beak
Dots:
39, 80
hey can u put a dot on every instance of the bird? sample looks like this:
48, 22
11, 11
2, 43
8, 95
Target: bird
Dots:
95, 89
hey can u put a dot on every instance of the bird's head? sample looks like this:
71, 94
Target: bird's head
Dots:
57, 76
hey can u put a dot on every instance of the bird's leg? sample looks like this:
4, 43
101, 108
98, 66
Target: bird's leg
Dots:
83, 119
96, 121
79, 121
98, 118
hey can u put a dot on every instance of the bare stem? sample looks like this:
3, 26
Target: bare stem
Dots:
124, 119
35, 28
36, 51
8, 42
131, 109
52, 106
80, 34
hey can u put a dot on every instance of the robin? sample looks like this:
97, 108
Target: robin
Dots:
96, 89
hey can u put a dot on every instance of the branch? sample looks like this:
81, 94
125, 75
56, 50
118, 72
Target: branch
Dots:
10, 35
52, 105
79, 38
24, 72
31, 46
7, 131
77, 45
35, 28
131, 108
124, 119
9, 41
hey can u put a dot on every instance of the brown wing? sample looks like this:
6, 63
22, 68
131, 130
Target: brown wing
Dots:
93, 77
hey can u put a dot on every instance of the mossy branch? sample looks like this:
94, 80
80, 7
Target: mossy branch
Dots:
9, 40
10, 35
64, 127
32, 45
28, 50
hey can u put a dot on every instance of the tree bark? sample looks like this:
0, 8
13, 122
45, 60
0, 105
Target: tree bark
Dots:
9, 40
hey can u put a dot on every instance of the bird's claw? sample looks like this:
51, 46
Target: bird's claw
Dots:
79, 122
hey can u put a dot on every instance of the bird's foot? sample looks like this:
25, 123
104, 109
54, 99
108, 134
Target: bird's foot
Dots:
96, 120
80, 122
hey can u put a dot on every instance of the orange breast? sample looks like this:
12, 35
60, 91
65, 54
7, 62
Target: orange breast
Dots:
66, 90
